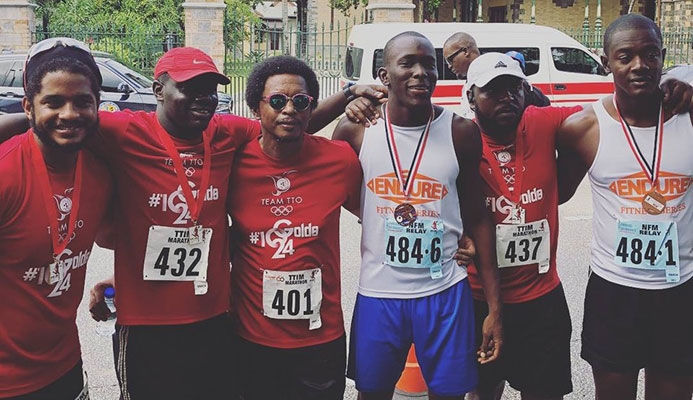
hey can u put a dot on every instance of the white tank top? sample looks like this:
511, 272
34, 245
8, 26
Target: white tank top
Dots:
434, 197
618, 187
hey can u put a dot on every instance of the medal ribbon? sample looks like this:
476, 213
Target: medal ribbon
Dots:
650, 170
503, 186
41, 172
407, 184
194, 205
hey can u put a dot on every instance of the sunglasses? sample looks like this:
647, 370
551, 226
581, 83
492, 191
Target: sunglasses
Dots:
279, 100
52, 43
449, 59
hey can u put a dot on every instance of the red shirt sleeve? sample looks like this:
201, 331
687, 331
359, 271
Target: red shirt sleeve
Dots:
111, 125
243, 130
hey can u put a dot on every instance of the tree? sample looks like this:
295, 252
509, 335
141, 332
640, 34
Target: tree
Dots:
345, 6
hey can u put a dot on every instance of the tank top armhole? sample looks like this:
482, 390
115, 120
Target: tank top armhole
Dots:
601, 113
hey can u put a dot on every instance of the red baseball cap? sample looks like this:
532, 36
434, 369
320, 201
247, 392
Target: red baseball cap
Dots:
184, 63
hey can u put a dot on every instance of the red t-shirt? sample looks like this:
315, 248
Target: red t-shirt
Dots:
38, 334
149, 194
539, 198
286, 218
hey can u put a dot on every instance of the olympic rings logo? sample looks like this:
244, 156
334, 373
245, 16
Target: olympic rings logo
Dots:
281, 210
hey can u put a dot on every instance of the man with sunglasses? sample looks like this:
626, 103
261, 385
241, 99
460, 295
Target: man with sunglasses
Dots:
288, 190
172, 172
54, 196
460, 50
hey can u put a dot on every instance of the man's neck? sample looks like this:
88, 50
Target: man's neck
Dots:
174, 130
278, 149
56, 159
500, 135
640, 111
402, 115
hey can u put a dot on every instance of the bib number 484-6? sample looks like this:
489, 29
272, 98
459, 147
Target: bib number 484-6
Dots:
170, 256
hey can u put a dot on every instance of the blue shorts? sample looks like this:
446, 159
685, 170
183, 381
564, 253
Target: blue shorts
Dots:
440, 325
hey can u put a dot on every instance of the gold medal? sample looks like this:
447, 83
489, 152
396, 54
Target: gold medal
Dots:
654, 203
405, 214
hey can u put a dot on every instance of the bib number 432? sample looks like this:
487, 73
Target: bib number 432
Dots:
171, 257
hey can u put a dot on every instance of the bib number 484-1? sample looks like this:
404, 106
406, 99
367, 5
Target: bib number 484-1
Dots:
293, 295
171, 257
649, 245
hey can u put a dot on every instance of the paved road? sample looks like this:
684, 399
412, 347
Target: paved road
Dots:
573, 256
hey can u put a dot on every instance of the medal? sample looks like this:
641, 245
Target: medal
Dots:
195, 232
516, 214
654, 202
55, 273
405, 213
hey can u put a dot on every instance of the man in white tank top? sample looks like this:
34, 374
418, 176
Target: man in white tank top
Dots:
637, 306
421, 180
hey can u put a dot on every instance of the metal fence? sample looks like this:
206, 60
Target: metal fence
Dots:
139, 49
323, 49
677, 40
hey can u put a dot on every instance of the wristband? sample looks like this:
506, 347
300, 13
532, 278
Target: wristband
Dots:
347, 92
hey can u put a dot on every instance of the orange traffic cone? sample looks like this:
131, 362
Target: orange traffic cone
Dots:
411, 383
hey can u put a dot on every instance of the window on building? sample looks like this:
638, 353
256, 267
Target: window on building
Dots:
11, 73
531, 55
575, 60
498, 14
274, 39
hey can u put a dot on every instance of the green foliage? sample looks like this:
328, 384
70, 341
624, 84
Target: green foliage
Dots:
345, 6
123, 15
240, 17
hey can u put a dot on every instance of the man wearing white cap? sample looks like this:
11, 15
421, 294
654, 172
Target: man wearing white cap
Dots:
520, 186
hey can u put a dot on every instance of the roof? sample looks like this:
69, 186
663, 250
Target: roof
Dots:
272, 10
485, 34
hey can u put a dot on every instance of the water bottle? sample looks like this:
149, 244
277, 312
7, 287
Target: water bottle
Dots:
107, 327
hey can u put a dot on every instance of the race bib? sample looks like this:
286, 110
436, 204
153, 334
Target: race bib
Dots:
293, 295
171, 257
524, 244
418, 245
649, 245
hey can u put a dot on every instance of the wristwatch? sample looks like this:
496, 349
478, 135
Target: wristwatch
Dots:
347, 92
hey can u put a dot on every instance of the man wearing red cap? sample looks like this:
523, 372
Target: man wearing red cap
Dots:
170, 239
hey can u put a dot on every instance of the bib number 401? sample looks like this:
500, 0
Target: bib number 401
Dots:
292, 302
402, 250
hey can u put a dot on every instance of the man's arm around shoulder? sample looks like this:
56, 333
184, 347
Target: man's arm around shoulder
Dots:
577, 140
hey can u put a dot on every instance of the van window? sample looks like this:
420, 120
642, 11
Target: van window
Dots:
444, 73
531, 55
575, 60
352, 63
110, 80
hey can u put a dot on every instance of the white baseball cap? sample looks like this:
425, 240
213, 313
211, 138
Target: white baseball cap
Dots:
490, 66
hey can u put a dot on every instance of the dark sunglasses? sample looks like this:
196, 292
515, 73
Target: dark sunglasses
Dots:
279, 100
449, 59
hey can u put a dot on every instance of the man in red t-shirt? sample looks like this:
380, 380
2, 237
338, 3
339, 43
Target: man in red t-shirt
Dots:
519, 172
54, 196
288, 188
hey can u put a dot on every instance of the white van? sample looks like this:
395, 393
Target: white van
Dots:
565, 70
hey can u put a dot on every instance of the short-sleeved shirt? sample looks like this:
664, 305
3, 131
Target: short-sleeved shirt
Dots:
148, 193
539, 198
38, 334
286, 218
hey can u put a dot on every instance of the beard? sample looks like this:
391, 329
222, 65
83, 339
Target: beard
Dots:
43, 132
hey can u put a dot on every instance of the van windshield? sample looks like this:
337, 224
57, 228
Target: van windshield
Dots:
352, 63
531, 55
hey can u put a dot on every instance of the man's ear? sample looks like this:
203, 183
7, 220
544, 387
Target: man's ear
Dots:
382, 74
158, 89
605, 63
256, 114
27, 106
